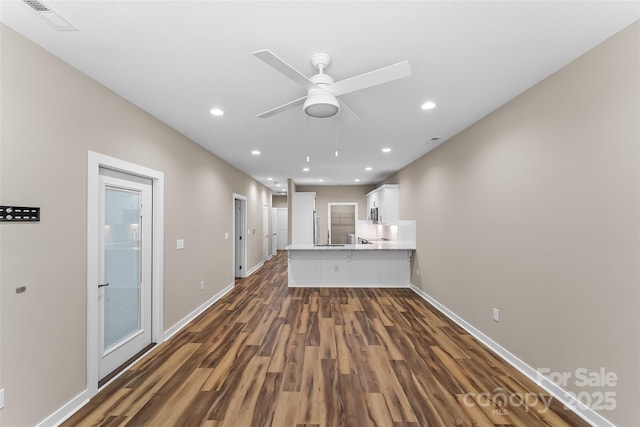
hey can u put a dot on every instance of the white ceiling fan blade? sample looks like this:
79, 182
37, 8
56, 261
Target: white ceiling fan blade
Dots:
347, 115
372, 78
284, 68
282, 108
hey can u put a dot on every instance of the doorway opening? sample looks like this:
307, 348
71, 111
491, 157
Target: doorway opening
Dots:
274, 231
265, 233
125, 234
342, 222
239, 236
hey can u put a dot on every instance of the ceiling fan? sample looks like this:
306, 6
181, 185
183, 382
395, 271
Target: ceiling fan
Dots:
322, 91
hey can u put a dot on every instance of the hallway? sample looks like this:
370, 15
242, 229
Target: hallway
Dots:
269, 355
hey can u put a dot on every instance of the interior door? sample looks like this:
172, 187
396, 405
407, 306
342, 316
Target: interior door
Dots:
274, 232
265, 232
239, 236
124, 291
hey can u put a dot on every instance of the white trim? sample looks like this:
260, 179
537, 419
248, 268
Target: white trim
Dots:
552, 388
265, 233
195, 313
66, 410
94, 162
233, 245
253, 270
350, 285
75, 404
355, 215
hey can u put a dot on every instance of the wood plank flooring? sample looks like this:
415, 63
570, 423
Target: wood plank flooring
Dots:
268, 355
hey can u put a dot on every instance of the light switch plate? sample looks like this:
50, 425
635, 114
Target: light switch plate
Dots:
226, 236
180, 244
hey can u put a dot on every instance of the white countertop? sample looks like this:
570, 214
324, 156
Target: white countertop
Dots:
380, 246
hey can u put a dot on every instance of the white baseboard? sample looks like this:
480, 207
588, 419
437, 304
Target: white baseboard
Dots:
195, 313
71, 407
64, 412
254, 269
368, 285
552, 388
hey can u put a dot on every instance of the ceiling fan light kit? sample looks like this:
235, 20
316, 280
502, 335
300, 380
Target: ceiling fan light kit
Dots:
321, 104
322, 91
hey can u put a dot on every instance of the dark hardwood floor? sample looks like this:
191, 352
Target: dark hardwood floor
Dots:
268, 355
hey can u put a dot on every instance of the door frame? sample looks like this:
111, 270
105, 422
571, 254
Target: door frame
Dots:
278, 210
274, 232
330, 204
243, 212
95, 161
266, 255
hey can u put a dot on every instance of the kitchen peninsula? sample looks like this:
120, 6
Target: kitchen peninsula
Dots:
382, 264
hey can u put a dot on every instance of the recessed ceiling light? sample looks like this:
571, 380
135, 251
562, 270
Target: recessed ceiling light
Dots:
269, 179
356, 180
305, 169
368, 168
277, 185
255, 152
386, 150
321, 180
216, 112
429, 105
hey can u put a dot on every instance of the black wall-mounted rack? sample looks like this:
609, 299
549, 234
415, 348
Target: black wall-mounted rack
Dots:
19, 214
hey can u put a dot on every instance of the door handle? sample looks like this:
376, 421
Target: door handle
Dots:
102, 285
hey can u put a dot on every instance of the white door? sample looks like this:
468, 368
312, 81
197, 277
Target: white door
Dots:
282, 229
274, 232
240, 221
124, 294
265, 232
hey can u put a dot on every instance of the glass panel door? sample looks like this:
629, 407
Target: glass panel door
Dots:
124, 295
121, 265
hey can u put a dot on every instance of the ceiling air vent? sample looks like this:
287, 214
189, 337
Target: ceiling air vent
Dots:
52, 17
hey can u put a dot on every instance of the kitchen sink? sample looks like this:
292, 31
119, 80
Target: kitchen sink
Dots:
328, 244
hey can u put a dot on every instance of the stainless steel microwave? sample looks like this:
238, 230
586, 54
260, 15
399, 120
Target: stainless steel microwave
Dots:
373, 215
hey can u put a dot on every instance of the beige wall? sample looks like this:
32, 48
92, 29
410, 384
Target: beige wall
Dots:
279, 201
51, 116
326, 194
535, 210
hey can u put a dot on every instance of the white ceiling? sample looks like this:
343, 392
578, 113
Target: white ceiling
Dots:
178, 59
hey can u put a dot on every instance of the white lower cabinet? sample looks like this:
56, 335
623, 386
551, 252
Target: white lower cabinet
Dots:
364, 268
344, 268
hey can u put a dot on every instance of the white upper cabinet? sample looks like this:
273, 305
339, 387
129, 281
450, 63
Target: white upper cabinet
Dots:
387, 199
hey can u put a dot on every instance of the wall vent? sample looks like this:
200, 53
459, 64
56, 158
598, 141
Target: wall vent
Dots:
58, 22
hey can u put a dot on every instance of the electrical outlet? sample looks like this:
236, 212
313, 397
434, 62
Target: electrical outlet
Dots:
202, 285
496, 314
180, 244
